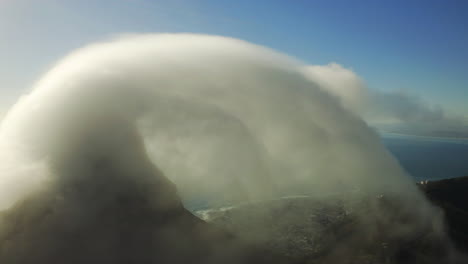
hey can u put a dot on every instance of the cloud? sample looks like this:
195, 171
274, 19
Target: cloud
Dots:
341, 82
393, 111
223, 119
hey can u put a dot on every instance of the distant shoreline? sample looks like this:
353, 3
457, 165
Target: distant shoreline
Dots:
463, 140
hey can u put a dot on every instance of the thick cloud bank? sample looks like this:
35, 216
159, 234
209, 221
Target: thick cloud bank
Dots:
223, 119
216, 115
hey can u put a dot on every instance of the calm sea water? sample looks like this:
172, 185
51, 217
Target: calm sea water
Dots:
427, 158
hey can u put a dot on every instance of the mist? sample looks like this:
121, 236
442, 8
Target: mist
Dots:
181, 116
389, 111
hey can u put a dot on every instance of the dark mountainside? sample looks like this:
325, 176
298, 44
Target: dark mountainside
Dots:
452, 196
145, 222
308, 230
131, 225
110, 212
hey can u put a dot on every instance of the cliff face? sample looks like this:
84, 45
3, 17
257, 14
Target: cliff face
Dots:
42, 230
109, 217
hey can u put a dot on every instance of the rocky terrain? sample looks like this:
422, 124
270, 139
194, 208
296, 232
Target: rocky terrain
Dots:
306, 230
130, 228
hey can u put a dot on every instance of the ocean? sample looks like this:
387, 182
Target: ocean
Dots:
429, 158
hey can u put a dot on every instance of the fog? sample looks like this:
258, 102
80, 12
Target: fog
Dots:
388, 110
217, 119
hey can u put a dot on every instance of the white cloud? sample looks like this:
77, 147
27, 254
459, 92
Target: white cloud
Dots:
394, 111
218, 116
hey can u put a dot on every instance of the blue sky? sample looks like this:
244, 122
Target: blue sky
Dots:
419, 46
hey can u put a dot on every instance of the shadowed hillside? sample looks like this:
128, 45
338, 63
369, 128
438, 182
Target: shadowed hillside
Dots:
452, 196
108, 217
129, 225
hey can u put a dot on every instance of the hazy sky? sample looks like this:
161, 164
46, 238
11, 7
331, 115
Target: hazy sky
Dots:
416, 46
